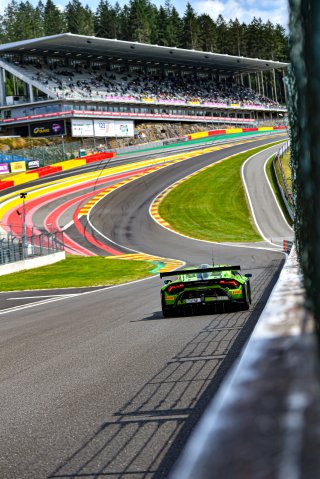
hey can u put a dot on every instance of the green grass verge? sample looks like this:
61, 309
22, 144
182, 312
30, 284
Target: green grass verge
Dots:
212, 204
286, 168
78, 271
274, 184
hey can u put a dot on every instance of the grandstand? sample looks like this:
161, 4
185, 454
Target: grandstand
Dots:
86, 86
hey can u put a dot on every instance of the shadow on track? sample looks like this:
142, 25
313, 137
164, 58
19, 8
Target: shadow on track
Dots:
149, 432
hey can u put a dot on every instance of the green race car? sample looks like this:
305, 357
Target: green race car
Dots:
205, 286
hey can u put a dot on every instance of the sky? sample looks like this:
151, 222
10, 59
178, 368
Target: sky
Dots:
274, 10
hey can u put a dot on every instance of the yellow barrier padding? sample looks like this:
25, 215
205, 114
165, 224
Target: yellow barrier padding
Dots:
200, 134
20, 179
67, 165
234, 130
266, 128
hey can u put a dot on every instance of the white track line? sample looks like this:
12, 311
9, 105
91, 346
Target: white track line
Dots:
71, 296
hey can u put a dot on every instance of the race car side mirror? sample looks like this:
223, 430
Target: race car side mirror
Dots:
248, 275
167, 281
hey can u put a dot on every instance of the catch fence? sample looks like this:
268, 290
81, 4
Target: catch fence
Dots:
17, 246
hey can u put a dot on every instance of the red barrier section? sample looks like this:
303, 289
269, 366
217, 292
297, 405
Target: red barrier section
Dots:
216, 132
45, 169
249, 129
99, 156
279, 127
6, 184
48, 170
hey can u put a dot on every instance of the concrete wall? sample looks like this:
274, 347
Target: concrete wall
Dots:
31, 263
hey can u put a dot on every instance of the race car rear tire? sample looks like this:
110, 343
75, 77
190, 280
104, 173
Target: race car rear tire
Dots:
167, 312
246, 300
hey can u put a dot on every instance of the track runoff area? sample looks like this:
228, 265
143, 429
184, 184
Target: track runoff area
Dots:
99, 384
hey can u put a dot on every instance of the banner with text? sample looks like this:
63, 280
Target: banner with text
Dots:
102, 128
17, 166
49, 128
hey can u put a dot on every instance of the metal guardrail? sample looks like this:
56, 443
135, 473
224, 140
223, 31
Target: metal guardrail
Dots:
14, 247
285, 194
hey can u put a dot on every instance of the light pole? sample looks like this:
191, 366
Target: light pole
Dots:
24, 226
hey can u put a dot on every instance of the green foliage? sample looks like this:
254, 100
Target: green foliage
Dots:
80, 20
191, 29
142, 21
53, 19
209, 33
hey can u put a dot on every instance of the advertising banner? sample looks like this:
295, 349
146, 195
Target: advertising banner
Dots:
4, 168
81, 127
113, 128
17, 166
124, 128
48, 128
104, 128
33, 164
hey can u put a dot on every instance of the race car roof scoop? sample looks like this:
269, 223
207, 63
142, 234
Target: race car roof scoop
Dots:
204, 270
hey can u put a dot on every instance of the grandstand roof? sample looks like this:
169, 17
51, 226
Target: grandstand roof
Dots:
84, 47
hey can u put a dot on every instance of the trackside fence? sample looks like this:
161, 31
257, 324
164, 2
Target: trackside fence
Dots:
35, 243
282, 183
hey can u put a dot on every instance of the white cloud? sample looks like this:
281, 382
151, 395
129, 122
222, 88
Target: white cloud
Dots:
244, 10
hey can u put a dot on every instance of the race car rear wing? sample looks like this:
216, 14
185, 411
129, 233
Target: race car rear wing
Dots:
195, 271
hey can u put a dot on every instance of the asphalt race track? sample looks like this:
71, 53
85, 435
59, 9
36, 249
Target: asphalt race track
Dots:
95, 383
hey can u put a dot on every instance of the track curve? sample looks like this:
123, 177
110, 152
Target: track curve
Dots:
99, 384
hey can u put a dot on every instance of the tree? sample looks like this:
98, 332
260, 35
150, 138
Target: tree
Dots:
79, 19
9, 21
236, 38
140, 21
254, 34
125, 29
53, 20
222, 35
208, 34
174, 26
162, 21
191, 29
104, 19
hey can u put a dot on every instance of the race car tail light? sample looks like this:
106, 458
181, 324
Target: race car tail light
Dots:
229, 283
175, 288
